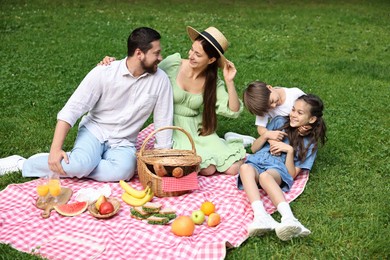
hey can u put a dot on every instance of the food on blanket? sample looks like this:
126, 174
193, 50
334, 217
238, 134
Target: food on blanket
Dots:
133, 201
159, 170
183, 226
139, 213
157, 220
213, 220
151, 207
166, 213
207, 207
72, 209
106, 208
139, 194
198, 217
99, 201
177, 172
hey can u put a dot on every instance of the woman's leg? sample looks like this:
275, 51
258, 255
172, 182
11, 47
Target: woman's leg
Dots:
233, 170
210, 170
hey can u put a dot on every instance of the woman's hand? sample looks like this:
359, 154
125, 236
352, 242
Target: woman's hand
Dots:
107, 61
229, 71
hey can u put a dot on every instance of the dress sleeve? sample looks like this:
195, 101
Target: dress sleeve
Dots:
222, 107
170, 63
309, 161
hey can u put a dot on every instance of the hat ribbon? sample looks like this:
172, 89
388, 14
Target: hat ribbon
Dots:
213, 40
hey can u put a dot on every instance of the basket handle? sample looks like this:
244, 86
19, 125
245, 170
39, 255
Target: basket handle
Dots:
164, 128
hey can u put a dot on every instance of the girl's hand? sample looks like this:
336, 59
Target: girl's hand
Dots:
229, 71
107, 60
275, 135
280, 147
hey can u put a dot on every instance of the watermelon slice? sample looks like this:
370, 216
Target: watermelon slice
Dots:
72, 209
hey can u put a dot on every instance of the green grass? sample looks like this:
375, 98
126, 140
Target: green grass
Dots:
339, 50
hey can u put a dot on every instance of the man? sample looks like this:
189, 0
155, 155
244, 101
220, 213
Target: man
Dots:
118, 99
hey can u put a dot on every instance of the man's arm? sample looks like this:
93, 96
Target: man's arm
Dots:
163, 115
56, 153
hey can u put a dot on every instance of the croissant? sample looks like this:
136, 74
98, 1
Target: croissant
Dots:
159, 169
177, 172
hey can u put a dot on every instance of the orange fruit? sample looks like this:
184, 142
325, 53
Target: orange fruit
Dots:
183, 226
207, 207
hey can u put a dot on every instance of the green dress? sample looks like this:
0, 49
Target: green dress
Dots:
188, 115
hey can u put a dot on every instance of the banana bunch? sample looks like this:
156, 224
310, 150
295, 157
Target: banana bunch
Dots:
135, 197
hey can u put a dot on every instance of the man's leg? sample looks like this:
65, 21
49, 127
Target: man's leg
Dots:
118, 163
84, 157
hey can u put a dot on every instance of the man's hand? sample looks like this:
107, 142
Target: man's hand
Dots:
55, 158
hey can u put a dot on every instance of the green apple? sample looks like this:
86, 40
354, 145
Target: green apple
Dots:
197, 217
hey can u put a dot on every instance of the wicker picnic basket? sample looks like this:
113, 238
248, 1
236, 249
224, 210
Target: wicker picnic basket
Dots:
169, 158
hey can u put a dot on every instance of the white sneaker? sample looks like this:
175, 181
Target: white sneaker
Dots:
288, 229
304, 231
246, 139
260, 226
10, 164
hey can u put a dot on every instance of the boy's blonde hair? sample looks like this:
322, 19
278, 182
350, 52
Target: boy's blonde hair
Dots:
256, 98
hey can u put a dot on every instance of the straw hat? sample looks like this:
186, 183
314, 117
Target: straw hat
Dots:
215, 38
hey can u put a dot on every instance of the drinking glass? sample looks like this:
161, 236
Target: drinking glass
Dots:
42, 188
54, 186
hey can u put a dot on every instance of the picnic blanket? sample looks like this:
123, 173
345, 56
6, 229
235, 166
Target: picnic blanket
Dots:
123, 237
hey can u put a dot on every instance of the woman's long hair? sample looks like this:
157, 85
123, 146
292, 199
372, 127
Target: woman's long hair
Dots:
209, 116
316, 134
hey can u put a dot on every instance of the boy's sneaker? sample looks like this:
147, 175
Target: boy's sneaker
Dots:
260, 226
11, 164
246, 139
288, 229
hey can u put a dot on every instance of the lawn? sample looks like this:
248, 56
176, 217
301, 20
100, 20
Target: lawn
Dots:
339, 50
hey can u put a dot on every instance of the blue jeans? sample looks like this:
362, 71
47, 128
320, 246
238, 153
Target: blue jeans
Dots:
89, 159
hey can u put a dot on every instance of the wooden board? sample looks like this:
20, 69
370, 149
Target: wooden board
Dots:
48, 205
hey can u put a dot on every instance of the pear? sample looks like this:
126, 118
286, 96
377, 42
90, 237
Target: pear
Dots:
100, 200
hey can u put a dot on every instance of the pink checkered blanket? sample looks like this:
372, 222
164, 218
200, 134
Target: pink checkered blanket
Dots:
123, 237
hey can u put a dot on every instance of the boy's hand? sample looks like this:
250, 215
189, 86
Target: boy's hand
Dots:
275, 135
106, 61
304, 130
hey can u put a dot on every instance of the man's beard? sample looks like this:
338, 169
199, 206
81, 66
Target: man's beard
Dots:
149, 69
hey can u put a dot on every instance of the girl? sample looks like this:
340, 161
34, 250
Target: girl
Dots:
276, 174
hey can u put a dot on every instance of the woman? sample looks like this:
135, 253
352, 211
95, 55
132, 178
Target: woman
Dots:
199, 95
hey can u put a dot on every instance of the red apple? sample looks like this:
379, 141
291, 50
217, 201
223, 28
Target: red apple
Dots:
106, 208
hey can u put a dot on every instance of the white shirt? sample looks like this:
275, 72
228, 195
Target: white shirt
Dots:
118, 104
284, 109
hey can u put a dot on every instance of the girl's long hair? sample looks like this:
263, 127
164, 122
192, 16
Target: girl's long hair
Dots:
209, 116
316, 134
